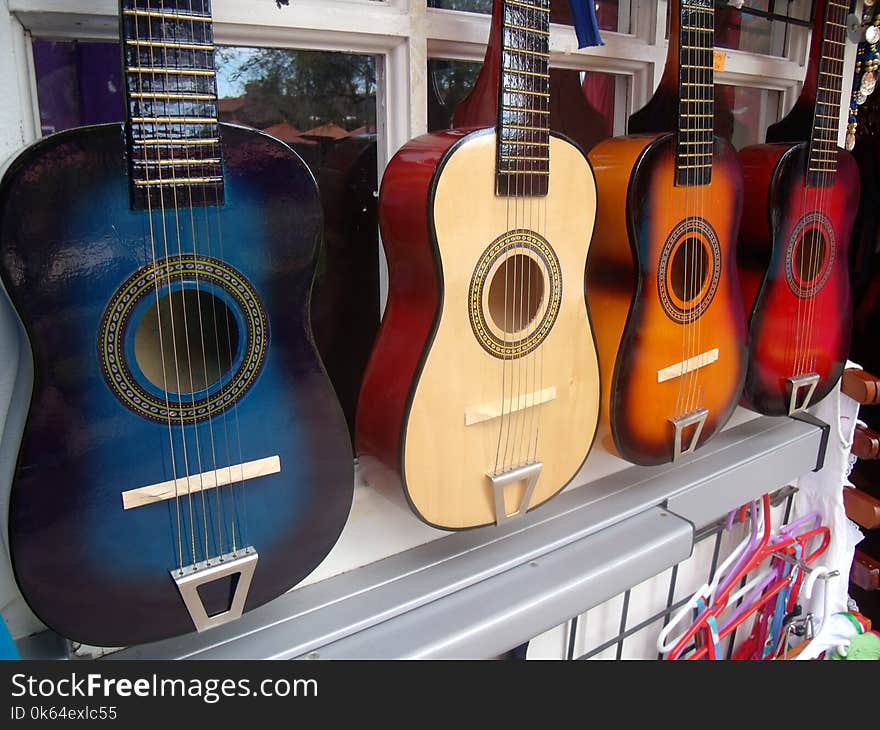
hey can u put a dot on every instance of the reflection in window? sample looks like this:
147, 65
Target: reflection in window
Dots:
310, 99
449, 82
761, 26
77, 84
611, 14
582, 103
742, 113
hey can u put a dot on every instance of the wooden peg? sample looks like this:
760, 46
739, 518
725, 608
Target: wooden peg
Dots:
865, 572
861, 386
866, 443
862, 508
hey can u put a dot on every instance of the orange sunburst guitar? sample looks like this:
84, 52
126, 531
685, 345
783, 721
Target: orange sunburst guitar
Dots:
661, 279
482, 392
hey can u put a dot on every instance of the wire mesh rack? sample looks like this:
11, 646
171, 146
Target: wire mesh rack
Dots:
633, 633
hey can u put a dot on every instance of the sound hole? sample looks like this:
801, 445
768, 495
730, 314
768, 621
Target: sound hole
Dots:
516, 293
809, 255
690, 269
198, 341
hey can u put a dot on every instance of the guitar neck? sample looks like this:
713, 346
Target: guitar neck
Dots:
523, 153
172, 128
693, 30
829, 42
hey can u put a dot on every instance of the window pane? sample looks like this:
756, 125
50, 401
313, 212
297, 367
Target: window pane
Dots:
742, 113
77, 84
309, 99
612, 15
750, 30
583, 103
448, 83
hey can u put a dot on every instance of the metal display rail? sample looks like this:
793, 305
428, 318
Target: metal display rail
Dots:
481, 593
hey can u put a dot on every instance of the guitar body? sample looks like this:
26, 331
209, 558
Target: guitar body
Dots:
91, 570
631, 290
429, 415
794, 252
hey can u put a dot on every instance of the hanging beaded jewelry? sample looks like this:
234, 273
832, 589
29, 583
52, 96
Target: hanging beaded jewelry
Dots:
867, 65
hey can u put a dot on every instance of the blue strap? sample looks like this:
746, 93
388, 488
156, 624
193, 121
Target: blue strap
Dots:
716, 639
585, 24
8, 649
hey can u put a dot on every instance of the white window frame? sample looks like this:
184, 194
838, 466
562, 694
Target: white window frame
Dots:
402, 35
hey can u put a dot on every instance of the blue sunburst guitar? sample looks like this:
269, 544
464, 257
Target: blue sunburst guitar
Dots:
185, 458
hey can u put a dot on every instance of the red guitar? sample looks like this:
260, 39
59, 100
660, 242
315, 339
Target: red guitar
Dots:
797, 222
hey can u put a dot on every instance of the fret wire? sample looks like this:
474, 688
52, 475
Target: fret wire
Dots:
539, 54
172, 44
187, 17
196, 161
178, 141
171, 71
510, 26
524, 172
527, 73
174, 120
525, 91
172, 96
521, 4
525, 157
178, 181
523, 110
531, 129
524, 143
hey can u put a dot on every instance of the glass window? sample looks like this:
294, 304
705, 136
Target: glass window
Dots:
761, 26
448, 83
310, 99
77, 84
612, 15
743, 113
583, 103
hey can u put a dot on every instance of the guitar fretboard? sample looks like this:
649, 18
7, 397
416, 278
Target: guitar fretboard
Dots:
694, 135
171, 103
822, 166
523, 156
